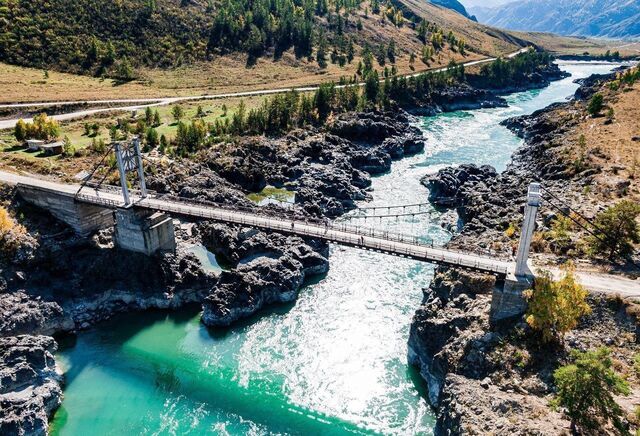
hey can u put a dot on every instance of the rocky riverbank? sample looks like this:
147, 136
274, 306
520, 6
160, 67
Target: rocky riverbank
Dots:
485, 379
30, 384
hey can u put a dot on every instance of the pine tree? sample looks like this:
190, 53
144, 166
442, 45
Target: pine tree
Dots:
391, 51
177, 112
151, 137
156, 119
619, 231
148, 116
351, 51
321, 56
587, 389
372, 87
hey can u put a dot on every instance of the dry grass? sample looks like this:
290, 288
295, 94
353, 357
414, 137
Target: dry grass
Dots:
577, 46
16, 157
611, 146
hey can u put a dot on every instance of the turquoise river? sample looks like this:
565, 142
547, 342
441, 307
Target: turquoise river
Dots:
334, 362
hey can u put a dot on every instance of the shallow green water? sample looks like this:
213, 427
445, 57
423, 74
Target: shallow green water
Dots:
273, 195
332, 363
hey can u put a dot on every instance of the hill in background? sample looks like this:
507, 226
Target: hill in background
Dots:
602, 18
113, 38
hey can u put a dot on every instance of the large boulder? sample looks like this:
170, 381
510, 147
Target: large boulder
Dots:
242, 292
446, 186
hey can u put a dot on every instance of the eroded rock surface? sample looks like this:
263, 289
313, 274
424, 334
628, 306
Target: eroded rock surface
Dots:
269, 268
30, 385
487, 379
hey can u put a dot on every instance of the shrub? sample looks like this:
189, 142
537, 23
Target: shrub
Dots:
151, 138
98, 146
156, 119
20, 131
10, 232
595, 104
586, 389
619, 231
561, 233
511, 230
42, 127
636, 364
68, 148
555, 306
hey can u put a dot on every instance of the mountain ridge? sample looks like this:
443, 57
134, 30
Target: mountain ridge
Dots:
600, 18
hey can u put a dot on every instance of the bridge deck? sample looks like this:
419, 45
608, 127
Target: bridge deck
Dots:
341, 234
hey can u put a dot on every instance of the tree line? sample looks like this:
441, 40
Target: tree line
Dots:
284, 112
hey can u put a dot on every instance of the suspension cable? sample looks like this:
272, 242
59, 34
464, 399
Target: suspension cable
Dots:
607, 240
95, 168
399, 215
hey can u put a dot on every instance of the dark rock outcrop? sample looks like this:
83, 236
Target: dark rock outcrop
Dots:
446, 187
269, 268
485, 380
29, 384
23, 314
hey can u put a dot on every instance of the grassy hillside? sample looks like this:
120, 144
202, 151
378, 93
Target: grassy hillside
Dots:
116, 38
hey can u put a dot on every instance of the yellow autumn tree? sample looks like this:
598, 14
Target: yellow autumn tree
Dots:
555, 307
10, 232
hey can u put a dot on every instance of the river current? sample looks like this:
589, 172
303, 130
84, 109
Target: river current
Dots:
333, 362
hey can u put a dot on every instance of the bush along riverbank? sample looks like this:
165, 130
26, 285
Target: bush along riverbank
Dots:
53, 281
522, 377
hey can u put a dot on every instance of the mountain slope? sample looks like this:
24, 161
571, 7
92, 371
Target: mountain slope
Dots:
604, 18
115, 38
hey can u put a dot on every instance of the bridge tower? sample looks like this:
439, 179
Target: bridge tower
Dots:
129, 160
528, 226
138, 229
508, 301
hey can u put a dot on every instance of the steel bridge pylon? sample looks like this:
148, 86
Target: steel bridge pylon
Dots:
129, 158
534, 200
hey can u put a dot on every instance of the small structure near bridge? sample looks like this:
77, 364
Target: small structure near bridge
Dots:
48, 148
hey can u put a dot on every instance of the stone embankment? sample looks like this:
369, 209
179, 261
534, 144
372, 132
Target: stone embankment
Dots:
485, 379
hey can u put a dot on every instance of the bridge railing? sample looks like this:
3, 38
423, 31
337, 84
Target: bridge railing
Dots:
377, 240
414, 246
94, 199
288, 217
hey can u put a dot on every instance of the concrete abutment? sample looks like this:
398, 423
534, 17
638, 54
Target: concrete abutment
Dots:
144, 231
83, 218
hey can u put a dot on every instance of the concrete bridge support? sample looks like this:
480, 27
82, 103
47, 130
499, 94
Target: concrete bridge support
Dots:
83, 218
144, 231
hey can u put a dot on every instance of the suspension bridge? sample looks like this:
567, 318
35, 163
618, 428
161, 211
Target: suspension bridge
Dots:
142, 222
339, 233
87, 207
